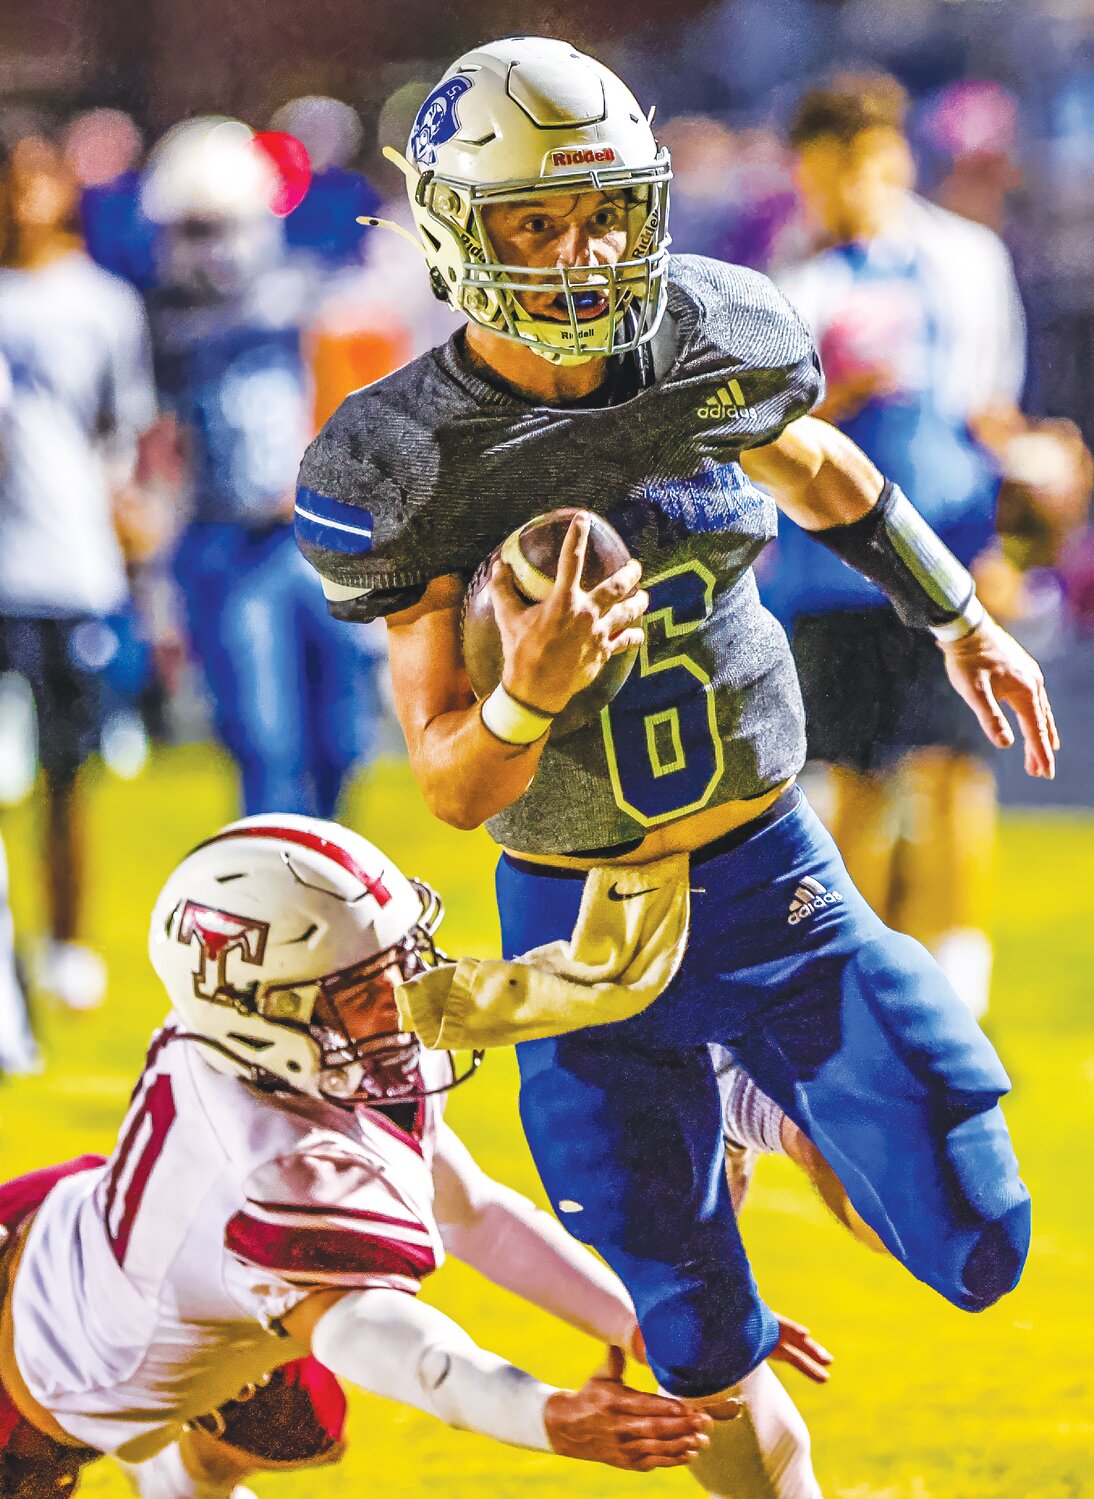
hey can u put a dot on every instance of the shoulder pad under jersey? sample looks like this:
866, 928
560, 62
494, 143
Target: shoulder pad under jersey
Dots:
749, 334
327, 1215
355, 522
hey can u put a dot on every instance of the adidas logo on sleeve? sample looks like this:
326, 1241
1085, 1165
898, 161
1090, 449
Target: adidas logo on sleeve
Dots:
727, 401
810, 896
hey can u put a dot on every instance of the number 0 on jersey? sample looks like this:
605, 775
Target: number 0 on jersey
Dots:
661, 730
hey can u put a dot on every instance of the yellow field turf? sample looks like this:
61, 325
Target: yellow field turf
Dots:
925, 1402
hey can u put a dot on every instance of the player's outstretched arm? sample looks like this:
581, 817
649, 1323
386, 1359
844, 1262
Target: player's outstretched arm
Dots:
525, 1250
390, 1343
552, 650
823, 481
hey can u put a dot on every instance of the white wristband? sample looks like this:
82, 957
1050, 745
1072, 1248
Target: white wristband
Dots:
970, 619
511, 721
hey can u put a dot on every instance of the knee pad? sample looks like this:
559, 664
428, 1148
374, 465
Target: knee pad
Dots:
995, 1265
700, 1340
997, 1203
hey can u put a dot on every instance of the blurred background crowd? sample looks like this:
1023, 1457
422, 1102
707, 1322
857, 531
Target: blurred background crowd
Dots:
186, 293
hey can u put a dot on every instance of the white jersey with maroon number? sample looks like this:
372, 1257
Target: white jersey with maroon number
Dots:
149, 1290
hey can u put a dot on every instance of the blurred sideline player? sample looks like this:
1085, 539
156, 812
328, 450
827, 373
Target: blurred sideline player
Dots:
18, 1048
325, 223
281, 1185
659, 391
75, 392
920, 329
296, 695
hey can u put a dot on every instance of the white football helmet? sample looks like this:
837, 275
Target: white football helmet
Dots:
519, 118
209, 187
267, 938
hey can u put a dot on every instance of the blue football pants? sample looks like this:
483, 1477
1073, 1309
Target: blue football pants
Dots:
850, 1027
296, 694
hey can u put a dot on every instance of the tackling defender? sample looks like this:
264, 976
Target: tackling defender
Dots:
598, 371
281, 1185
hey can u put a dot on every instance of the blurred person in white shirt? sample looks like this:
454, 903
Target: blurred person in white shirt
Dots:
76, 392
920, 327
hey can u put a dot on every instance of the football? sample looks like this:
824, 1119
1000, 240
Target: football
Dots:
532, 552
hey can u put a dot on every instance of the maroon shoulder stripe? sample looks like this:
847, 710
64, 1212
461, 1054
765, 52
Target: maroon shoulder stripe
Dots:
323, 1250
320, 1210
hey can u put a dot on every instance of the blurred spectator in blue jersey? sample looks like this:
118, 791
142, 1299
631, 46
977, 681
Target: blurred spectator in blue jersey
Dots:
324, 223
295, 693
104, 148
75, 392
921, 334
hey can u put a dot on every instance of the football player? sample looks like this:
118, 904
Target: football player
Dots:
919, 322
281, 1185
296, 696
595, 370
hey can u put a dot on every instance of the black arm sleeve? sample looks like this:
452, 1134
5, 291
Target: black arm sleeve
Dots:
895, 548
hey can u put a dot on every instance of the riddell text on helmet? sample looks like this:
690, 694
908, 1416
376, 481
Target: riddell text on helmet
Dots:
583, 156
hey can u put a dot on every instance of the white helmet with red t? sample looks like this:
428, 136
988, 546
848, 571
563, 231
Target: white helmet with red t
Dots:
520, 119
275, 940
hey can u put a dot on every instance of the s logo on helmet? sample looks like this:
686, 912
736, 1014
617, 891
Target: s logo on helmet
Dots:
218, 934
437, 120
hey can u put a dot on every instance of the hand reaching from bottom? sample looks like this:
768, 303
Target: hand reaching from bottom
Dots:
608, 1422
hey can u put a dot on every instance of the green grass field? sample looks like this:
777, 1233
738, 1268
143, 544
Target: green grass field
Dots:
925, 1402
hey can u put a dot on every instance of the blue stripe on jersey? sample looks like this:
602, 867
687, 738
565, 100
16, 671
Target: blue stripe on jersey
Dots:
332, 524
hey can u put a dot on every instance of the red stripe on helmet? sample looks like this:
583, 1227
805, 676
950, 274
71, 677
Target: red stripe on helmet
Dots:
319, 845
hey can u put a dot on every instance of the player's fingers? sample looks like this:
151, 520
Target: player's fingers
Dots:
1025, 699
981, 699
791, 1331
654, 1415
615, 1361
817, 1350
627, 640
626, 612
640, 1406
571, 560
724, 1409
662, 1432
509, 603
804, 1362
646, 1463
681, 1447
799, 1336
622, 583
1050, 719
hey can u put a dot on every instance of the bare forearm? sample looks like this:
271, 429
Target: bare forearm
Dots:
818, 476
465, 774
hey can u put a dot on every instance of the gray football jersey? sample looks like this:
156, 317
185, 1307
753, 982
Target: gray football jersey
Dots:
427, 471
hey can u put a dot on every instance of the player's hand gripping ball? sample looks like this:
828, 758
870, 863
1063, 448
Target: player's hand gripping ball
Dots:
533, 552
